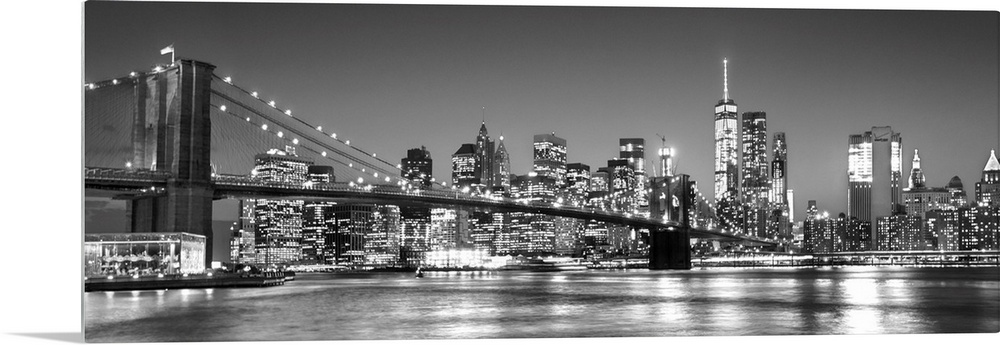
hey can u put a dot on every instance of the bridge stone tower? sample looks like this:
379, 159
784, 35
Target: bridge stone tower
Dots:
171, 132
670, 247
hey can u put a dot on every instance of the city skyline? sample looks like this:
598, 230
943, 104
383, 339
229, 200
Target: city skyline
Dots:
582, 90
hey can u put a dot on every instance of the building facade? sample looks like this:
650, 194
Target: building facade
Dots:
875, 164
418, 167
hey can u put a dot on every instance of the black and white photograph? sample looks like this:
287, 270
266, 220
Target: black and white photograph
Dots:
283, 172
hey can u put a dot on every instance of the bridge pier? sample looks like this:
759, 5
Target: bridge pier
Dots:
171, 131
670, 247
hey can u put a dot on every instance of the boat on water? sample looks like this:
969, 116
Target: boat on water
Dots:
420, 273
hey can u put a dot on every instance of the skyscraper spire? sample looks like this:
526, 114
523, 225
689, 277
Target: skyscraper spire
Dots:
725, 79
484, 115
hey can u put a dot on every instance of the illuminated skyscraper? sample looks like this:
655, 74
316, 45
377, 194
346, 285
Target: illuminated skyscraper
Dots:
622, 184
277, 224
317, 220
988, 190
463, 167
957, 191
726, 156
779, 170
755, 186
501, 169
550, 157
874, 168
484, 156
666, 162
918, 198
418, 167
578, 181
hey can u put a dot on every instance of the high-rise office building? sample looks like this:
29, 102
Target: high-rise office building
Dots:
382, 239
779, 170
988, 189
277, 224
633, 150
578, 181
726, 159
756, 182
899, 232
463, 167
345, 243
622, 185
414, 235
484, 157
501, 169
550, 157
418, 167
874, 168
317, 220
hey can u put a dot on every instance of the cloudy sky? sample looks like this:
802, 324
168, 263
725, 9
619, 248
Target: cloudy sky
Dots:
392, 78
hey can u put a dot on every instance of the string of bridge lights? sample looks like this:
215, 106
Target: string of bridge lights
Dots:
295, 141
273, 104
332, 135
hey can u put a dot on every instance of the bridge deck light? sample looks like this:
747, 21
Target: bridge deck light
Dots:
271, 103
295, 141
222, 107
131, 74
264, 126
323, 153
281, 134
288, 112
333, 135
347, 142
254, 94
228, 79
248, 119
319, 128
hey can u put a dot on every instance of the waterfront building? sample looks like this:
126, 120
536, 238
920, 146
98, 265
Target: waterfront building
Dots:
444, 231
550, 158
317, 220
277, 224
414, 235
941, 226
346, 240
988, 189
484, 157
978, 228
755, 186
726, 158
418, 167
382, 240
900, 232
779, 171
501, 169
875, 164
463, 167
135, 253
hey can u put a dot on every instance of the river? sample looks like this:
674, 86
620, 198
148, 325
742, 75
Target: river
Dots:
592, 303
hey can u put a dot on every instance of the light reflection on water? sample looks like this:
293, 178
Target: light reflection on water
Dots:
560, 304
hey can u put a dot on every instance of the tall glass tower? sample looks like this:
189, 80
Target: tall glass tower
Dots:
550, 157
755, 185
874, 168
726, 171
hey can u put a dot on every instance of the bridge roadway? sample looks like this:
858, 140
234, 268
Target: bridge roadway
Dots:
126, 184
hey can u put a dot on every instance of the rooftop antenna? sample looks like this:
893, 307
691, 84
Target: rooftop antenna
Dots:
725, 79
484, 115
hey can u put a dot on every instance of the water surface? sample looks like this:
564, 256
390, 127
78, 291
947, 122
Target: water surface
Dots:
593, 303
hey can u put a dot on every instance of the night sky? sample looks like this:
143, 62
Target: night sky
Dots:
390, 78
